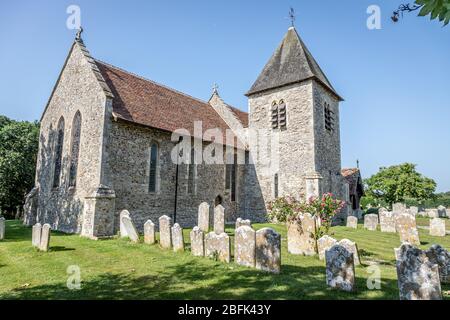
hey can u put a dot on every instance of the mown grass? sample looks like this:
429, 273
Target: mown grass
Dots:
119, 269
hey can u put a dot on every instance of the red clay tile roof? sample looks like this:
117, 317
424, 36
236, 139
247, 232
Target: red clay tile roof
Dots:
148, 103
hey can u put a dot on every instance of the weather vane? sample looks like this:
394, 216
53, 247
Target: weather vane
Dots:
292, 16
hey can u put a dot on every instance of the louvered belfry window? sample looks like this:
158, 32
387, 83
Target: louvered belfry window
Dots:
329, 119
278, 115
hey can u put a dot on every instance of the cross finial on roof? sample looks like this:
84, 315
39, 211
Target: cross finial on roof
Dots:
292, 16
215, 88
78, 36
357, 163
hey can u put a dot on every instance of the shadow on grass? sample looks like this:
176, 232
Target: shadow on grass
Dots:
61, 248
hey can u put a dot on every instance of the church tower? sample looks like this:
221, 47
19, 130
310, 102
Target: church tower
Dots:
293, 105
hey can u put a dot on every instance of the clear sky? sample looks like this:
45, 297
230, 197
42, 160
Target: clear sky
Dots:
394, 80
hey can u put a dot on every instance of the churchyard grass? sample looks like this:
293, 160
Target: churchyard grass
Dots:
119, 269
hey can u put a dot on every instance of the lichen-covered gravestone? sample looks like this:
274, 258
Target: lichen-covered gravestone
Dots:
398, 208
405, 225
387, 221
219, 219
413, 211
268, 250
242, 222
197, 242
203, 216
438, 255
437, 227
165, 237
418, 277
353, 248
2, 228
442, 212
300, 235
131, 231
371, 222
123, 230
36, 235
340, 268
244, 246
432, 213
149, 232
323, 244
45, 237
352, 222
218, 246
177, 238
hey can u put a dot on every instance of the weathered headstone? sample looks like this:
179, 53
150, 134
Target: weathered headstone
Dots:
387, 221
442, 212
2, 228
340, 268
399, 208
432, 213
300, 235
268, 250
241, 222
438, 255
371, 222
203, 216
218, 246
405, 225
165, 236
325, 243
413, 211
219, 219
36, 235
197, 242
437, 227
177, 238
353, 248
352, 222
131, 231
45, 237
123, 230
244, 246
418, 277
149, 232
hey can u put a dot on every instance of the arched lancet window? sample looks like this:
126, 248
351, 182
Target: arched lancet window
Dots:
58, 153
75, 149
153, 167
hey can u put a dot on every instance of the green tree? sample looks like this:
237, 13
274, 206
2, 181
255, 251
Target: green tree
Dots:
436, 9
399, 183
19, 142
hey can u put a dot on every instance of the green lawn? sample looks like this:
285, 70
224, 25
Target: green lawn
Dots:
119, 269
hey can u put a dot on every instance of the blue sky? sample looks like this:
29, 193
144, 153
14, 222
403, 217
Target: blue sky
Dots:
394, 80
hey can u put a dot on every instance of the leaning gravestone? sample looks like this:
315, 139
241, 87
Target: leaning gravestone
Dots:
300, 235
36, 235
130, 228
165, 237
442, 212
387, 221
268, 250
352, 222
218, 246
353, 248
149, 232
438, 255
123, 230
323, 244
437, 227
203, 216
340, 268
219, 219
371, 222
2, 228
241, 222
197, 242
45, 238
405, 225
244, 246
177, 238
418, 277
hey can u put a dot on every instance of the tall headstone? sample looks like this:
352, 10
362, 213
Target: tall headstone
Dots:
241, 222
165, 237
203, 216
442, 212
323, 244
398, 208
405, 225
352, 222
268, 250
438, 255
418, 277
197, 242
300, 235
123, 230
2, 228
218, 246
36, 235
371, 222
149, 232
219, 219
387, 221
131, 231
353, 248
45, 237
437, 227
244, 246
177, 238
340, 268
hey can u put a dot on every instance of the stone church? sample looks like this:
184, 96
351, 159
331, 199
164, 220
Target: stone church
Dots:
110, 140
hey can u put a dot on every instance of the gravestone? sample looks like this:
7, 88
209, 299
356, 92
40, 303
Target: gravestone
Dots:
323, 244
442, 212
437, 227
130, 229
418, 277
340, 268
268, 250
45, 238
219, 219
203, 216
241, 222
149, 232
398, 208
165, 237
438, 255
432, 213
218, 246
36, 235
244, 246
413, 211
352, 222
387, 221
300, 235
177, 238
405, 225
2, 228
353, 248
197, 242
123, 230
371, 222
